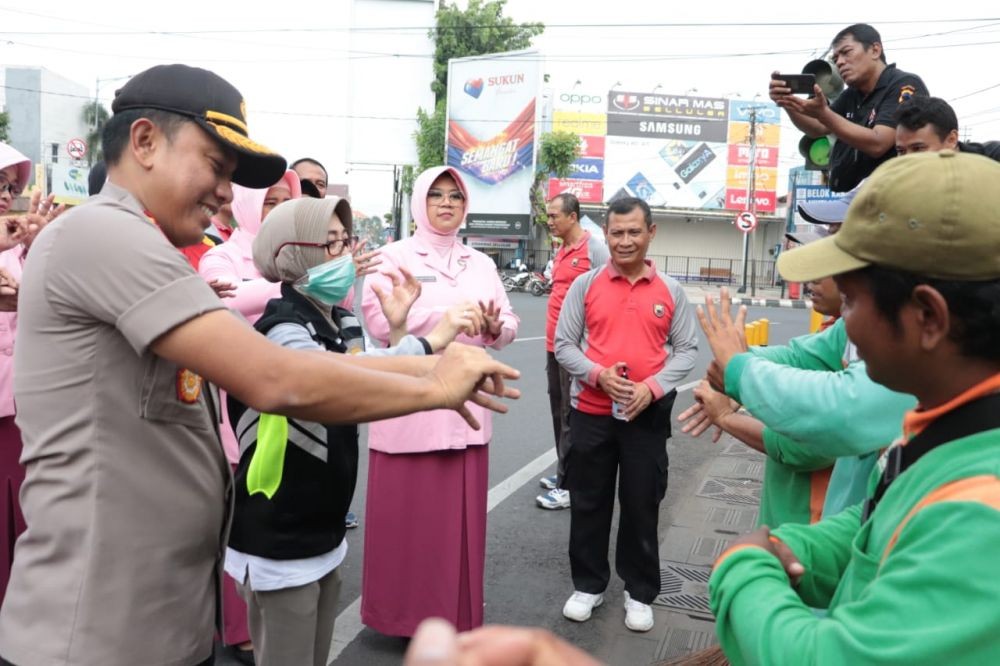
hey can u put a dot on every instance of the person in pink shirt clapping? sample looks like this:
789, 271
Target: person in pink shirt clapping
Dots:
425, 540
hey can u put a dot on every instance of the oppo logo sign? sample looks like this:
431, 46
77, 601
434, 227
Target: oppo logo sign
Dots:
572, 98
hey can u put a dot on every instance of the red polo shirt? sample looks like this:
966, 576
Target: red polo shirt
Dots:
569, 263
625, 322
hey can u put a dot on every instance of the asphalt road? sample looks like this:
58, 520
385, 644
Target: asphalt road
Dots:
527, 568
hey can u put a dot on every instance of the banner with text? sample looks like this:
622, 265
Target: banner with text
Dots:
681, 151
491, 138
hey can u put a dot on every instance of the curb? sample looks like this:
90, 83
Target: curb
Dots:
797, 304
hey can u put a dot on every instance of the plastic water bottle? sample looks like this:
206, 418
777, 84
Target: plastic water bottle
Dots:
617, 408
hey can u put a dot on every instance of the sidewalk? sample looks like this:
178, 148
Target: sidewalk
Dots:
702, 515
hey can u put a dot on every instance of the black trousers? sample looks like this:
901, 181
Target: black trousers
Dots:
559, 405
634, 453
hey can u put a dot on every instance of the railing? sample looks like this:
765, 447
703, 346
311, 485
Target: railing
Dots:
706, 270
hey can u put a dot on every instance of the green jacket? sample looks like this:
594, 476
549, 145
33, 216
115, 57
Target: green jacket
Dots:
916, 584
804, 392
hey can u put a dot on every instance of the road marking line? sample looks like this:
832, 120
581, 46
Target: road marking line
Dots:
540, 337
348, 624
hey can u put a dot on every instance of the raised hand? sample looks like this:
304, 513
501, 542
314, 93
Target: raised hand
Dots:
365, 263
396, 303
456, 319
726, 337
491, 318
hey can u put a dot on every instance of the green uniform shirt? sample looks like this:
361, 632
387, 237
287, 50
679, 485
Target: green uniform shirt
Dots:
928, 598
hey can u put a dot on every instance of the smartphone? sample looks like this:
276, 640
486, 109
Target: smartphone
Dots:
800, 84
644, 190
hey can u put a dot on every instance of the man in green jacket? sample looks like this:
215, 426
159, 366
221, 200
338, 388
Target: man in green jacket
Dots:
909, 576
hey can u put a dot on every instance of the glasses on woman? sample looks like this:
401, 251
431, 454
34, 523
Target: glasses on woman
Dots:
437, 197
333, 247
7, 187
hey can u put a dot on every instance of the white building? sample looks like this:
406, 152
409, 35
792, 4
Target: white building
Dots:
46, 112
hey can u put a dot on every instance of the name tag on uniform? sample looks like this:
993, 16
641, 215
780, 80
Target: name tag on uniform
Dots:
426, 278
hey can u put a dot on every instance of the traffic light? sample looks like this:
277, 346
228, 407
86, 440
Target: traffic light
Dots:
816, 151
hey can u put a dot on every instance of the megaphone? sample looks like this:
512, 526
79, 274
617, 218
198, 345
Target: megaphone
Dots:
827, 78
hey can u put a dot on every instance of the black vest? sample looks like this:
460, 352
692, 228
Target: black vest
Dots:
305, 516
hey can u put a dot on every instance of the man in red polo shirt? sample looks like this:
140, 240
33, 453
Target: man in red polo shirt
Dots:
579, 253
628, 337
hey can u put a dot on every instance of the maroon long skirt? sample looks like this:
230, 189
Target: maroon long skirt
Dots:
425, 539
235, 622
11, 478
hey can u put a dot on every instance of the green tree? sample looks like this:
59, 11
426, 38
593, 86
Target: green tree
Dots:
94, 116
477, 30
556, 152
4, 126
480, 29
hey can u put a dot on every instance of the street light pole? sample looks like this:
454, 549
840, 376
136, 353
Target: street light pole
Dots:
751, 204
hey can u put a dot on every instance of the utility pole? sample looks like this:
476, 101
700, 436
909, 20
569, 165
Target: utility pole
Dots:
751, 204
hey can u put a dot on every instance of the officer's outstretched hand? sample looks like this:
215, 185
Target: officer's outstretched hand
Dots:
464, 373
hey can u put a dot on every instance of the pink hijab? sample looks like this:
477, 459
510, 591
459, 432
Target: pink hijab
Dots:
440, 241
247, 205
9, 157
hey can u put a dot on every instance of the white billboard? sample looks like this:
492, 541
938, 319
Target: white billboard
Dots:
491, 136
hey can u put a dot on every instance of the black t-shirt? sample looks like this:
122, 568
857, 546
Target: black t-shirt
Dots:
848, 165
990, 149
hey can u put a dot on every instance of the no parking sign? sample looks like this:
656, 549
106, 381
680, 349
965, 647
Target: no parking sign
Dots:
746, 221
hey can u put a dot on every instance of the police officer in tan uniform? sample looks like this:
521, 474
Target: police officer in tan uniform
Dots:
126, 495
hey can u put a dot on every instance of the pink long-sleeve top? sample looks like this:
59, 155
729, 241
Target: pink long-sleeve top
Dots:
13, 261
465, 275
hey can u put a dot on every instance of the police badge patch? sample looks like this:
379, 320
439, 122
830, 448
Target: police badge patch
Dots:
574, 263
905, 93
659, 310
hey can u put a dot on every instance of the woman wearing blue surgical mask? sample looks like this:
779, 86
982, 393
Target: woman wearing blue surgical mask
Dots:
295, 479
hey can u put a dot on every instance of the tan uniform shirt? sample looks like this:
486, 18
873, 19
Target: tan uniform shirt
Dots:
126, 478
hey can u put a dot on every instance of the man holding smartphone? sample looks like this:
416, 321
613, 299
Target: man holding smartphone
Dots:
863, 117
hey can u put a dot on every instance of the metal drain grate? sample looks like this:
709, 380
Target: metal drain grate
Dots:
734, 521
682, 642
706, 550
739, 468
684, 588
740, 450
732, 491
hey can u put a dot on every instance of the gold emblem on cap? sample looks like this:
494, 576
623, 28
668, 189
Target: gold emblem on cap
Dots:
243, 109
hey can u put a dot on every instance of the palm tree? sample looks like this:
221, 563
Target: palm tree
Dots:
94, 116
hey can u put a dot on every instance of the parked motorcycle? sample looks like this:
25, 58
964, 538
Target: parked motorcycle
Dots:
539, 285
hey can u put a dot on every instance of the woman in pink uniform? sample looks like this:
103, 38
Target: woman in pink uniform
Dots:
425, 539
15, 239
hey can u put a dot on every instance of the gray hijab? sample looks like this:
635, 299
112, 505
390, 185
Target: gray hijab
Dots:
304, 220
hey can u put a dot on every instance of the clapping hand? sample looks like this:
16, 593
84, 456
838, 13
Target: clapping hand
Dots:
9, 288
491, 318
726, 337
364, 262
396, 303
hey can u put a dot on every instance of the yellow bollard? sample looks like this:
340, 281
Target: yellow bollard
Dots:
764, 332
753, 333
815, 321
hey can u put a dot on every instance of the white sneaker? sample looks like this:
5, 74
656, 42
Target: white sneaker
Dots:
557, 498
579, 606
549, 482
638, 616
